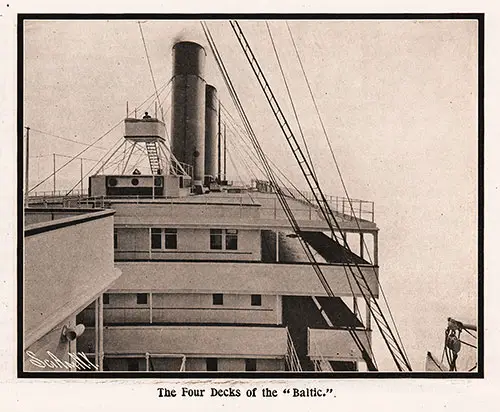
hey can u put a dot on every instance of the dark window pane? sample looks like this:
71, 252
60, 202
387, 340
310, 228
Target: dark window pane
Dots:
170, 238
251, 365
115, 240
133, 364
216, 239
212, 364
105, 298
232, 242
142, 298
155, 238
256, 300
105, 364
231, 239
218, 299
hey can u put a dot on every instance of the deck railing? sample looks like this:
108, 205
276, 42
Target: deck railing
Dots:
320, 363
291, 359
348, 209
353, 208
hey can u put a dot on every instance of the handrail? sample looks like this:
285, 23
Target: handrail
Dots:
291, 358
321, 364
275, 212
361, 209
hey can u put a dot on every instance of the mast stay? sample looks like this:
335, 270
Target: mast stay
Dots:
395, 347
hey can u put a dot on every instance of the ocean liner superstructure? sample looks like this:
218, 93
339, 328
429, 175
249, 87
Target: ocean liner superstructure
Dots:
215, 276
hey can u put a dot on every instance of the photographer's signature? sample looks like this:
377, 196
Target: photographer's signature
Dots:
79, 361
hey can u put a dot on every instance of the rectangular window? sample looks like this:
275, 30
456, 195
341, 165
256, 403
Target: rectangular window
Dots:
133, 364
105, 298
212, 364
155, 238
231, 239
142, 298
105, 364
217, 299
115, 239
256, 300
250, 365
170, 238
216, 239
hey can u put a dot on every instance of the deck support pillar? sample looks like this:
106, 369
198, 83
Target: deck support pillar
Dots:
277, 246
100, 327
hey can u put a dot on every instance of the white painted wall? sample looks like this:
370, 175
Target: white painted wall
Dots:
336, 344
199, 341
64, 270
194, 210
238, 278
134, 243
188, 308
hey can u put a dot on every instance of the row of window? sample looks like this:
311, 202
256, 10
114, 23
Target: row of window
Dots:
217, 299
166, 238
212, 364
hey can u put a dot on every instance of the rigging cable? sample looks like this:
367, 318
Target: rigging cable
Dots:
237, 150
394, 346
149, 64
88, 147
243, 135
291, 99
65, 138
341, 178
97, 164
153, 79
278, 191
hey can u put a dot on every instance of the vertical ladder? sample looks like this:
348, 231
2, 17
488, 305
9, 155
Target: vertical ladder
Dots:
154, 159
397, 352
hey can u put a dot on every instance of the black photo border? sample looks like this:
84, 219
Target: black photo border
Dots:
21, 18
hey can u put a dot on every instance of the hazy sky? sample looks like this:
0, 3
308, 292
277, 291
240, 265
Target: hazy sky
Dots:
399, 102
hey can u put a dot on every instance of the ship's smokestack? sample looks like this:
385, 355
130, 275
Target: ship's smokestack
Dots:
188, 107
211, 132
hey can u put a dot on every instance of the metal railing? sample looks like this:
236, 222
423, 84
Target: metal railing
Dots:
320, 363
307, 212
58, 193
181, 169
291, 358
361, 209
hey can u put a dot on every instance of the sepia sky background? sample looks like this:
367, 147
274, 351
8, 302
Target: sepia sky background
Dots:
399, 102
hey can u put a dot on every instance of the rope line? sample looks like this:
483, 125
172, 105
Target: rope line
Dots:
280, 195
65, 138
343, 182
291, 99
399, 355
93, 144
